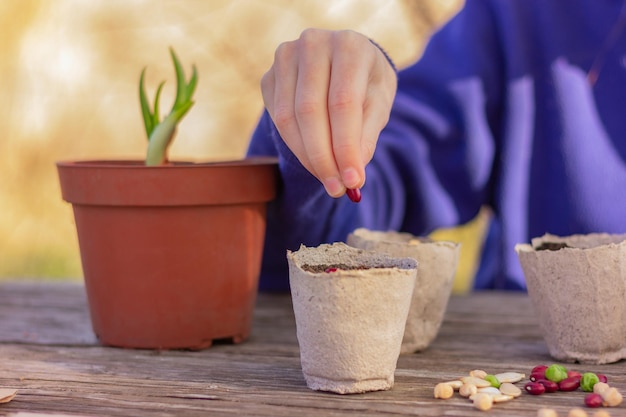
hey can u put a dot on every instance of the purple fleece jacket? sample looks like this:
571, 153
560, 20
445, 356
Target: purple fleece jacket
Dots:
519, 105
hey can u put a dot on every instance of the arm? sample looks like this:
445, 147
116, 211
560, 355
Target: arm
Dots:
432, 162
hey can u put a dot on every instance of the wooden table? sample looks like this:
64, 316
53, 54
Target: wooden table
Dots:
49, 354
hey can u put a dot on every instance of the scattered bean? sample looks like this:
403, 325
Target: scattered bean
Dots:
483, 401
478, 373
536, 376
507, 388
574, 374
479, 382
546, 412
611, 397
511, 377
456, 384
593, 400
501, 398
588, 380
577, 412
602, 378
550, 386
492, 380
534, 388
569, 384
443, 391
556, 373
489, 390
468, 390
600, 387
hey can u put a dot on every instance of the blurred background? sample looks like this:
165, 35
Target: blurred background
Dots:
69, 72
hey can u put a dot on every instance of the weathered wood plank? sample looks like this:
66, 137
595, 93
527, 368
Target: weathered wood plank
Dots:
48, 353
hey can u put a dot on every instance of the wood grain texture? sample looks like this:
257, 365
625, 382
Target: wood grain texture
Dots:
48, 353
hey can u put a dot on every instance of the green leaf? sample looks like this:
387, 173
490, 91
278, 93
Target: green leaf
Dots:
161, 133
148, 121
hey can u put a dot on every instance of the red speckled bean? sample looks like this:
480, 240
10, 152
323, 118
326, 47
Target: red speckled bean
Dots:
593, 400
569, 384
534, 388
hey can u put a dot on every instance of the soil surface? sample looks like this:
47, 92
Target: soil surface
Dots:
552, 246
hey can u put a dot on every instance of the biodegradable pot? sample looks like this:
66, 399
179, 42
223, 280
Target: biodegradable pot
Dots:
349, 322
577, 285
170, 254
437, 265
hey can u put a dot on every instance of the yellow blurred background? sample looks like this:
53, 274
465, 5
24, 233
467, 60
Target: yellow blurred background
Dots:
69, 72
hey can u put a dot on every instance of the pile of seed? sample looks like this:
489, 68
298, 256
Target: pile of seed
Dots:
547, 379
482, 389
485, 390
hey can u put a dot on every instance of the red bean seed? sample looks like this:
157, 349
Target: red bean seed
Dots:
539, 368
569, 384
534, 388
574, 374
602, 378
550, 386
354, 194
593, 400
536, 376
329, 270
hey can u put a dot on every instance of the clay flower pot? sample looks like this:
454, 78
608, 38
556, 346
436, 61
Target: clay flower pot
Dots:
349, 321
577, 285
437, 265
170, 254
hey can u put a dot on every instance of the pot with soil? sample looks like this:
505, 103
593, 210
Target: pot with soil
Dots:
350, 307
171, 254
437, 261
577, 285
171, 251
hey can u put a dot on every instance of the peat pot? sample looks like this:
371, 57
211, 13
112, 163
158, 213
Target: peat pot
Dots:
170, 254
437, 265
577, 285
350, 307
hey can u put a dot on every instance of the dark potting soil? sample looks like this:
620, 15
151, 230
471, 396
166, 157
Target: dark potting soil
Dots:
552, 246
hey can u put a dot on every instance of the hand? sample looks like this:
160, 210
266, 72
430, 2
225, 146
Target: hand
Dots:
329, 94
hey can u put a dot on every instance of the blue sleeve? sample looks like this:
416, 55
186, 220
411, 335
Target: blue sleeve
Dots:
433, 160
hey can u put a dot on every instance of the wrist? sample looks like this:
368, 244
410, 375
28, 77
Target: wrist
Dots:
386, 55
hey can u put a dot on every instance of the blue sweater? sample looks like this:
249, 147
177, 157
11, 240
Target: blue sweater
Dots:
519, 105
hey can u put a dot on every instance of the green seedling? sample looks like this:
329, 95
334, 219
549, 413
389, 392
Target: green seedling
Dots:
160, 133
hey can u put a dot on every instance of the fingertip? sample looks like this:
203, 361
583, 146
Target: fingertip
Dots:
334, 187
351, 178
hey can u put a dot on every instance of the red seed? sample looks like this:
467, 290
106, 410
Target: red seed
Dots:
329, 270
574, 374
539, 368
550, 386
593, 400
569, 384
534, 388
602, 378
354, 194
537, 375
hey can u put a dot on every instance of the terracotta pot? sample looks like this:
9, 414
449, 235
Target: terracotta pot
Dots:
349, 322
170, 254
437, 262
578, 293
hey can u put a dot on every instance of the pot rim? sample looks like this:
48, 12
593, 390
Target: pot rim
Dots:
131, 183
